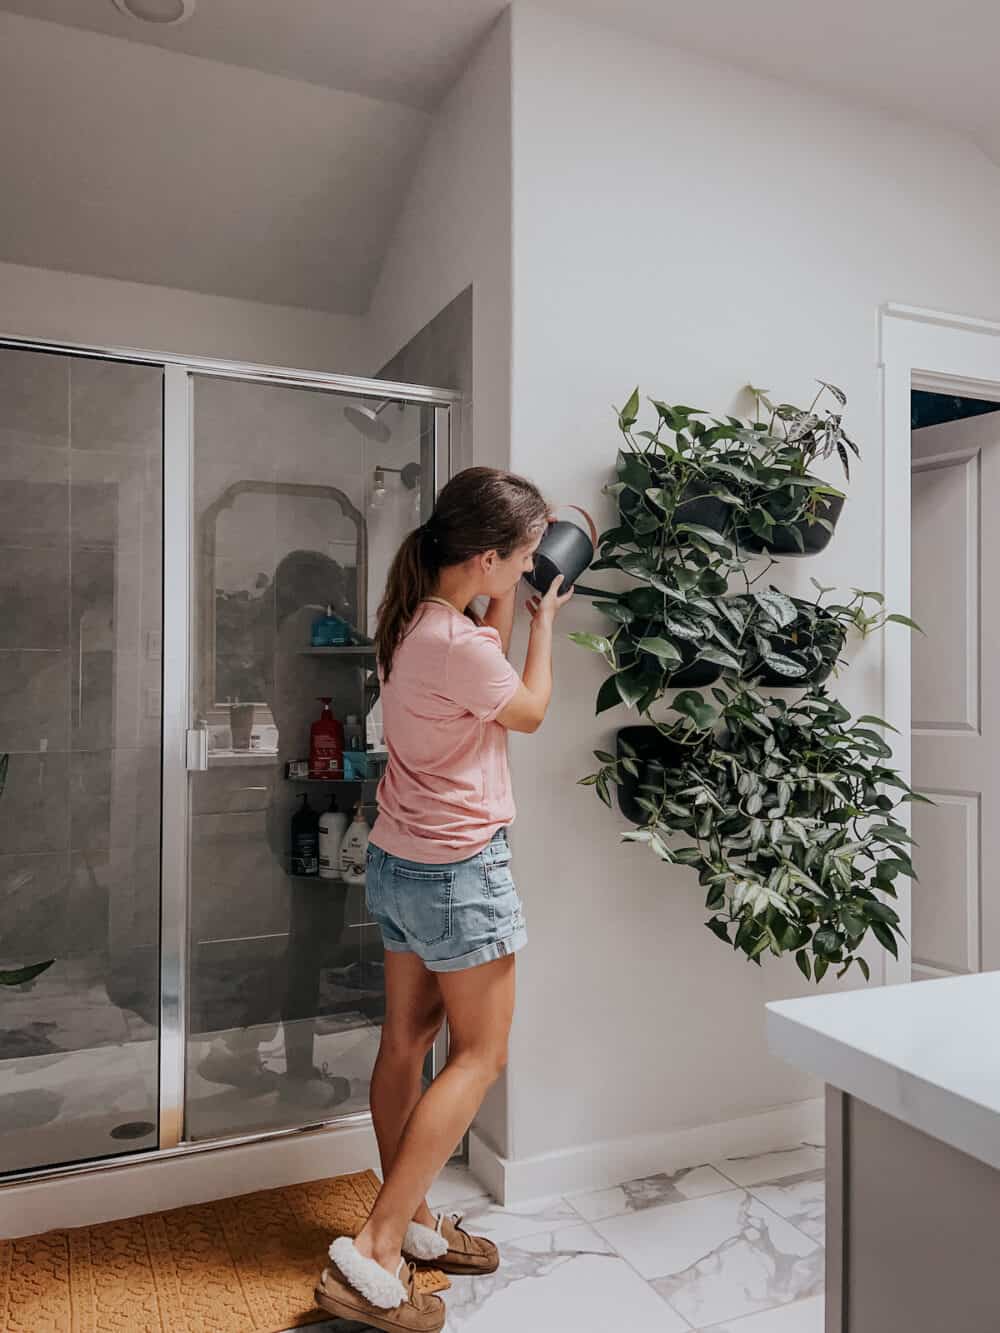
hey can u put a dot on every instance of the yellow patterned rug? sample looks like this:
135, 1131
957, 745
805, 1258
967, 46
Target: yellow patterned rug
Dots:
243, 1265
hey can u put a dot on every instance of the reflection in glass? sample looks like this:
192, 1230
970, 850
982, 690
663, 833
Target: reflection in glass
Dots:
286, 974
80, 574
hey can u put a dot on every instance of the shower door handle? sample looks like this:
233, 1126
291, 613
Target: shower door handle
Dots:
197, 749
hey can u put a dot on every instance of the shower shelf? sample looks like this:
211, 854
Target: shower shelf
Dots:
348, 650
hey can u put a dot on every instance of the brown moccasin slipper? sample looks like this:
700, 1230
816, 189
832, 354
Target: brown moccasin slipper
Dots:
419, 1312
465, 1253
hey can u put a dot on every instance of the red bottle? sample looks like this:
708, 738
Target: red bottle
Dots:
326, 746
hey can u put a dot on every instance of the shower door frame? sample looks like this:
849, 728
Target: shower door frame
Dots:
178, 758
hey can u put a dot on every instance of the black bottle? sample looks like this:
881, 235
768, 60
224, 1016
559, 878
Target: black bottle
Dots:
305, 839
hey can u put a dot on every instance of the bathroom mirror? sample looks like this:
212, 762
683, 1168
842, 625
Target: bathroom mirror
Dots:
267, 548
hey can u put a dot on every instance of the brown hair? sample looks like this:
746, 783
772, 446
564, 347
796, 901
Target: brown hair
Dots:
480, 509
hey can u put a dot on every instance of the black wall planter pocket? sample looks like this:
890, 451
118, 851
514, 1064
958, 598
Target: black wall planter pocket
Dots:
815, 537
654, 754
694, 672
703, 509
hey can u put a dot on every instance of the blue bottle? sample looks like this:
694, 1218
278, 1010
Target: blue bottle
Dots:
330, 631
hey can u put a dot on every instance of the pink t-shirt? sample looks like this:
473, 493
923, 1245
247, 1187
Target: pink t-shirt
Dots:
446, 790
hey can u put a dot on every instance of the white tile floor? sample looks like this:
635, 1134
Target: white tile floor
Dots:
733, 1246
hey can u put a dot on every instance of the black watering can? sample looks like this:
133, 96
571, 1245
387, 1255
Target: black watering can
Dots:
565, 549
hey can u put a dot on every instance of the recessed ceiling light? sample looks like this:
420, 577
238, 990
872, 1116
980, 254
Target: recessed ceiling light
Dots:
165, 12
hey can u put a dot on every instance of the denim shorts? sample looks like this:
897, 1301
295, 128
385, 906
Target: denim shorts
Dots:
454, 915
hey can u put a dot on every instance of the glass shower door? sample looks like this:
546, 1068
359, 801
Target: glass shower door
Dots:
300, 497
80, 755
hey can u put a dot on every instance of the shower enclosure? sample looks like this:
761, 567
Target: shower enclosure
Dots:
172, 527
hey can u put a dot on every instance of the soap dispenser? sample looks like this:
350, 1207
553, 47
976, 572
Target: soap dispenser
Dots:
354, 849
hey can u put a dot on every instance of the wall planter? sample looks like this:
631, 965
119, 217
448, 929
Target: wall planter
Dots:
790, 642
696, 672
806, 535
784, 808
652, 754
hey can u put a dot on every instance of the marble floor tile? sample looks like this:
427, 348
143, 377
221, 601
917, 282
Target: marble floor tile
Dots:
648, 1191
455, 1184
719, 1257
762, 1169
799, 1199
801, 1317
565, 1280
503, 1225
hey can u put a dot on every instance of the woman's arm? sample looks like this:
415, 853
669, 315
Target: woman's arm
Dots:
500, 616
527, 709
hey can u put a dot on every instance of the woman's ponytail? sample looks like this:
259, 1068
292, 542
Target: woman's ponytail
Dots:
411, 579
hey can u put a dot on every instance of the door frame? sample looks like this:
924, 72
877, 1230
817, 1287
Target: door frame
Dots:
940, 352
179, 606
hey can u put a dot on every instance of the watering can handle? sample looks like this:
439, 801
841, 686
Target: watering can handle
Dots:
590, 523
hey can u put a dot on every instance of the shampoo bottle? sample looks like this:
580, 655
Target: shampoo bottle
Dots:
329, 630
332, 826
326, 746
305, 840
354, 849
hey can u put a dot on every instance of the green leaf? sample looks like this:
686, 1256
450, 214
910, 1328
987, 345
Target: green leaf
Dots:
885, 937
897, 619
616, 611
608, 696
780, 608
691, 704
784, 666
719, 928
802, 959
662, 649
874, 721
21, 974
596, 643
631, 685
826, 941
865, 969
630, 412
706, 534
720, 657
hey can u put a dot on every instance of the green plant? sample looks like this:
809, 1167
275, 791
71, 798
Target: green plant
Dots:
786, 806
787, 818
787, 639
18, 975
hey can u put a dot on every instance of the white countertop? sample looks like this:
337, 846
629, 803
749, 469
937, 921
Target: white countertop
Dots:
927, 1053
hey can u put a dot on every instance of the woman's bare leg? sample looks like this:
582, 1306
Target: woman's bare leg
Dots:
479, 1002
414, 1012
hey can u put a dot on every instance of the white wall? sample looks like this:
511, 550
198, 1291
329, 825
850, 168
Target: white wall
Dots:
75, 307
454, 229
686, 227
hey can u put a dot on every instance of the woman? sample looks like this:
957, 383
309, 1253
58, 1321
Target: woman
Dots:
439, 882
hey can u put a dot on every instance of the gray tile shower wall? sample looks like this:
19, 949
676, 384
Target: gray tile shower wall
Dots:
80, 562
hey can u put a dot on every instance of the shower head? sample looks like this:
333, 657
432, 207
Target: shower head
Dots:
366, 420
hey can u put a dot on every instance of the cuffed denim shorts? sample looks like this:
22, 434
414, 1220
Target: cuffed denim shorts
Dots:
453, 916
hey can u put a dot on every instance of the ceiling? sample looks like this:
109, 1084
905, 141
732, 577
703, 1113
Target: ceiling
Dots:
263, 149
408, 51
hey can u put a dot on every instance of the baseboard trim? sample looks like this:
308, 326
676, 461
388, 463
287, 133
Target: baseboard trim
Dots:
155, 1183
600, 1165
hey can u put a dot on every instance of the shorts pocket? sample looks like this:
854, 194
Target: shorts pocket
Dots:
499, 879
505, 901
424, 902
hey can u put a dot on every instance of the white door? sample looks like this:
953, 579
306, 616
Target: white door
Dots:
955, 720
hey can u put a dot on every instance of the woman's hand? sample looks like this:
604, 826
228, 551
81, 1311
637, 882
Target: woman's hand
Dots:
545, 608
